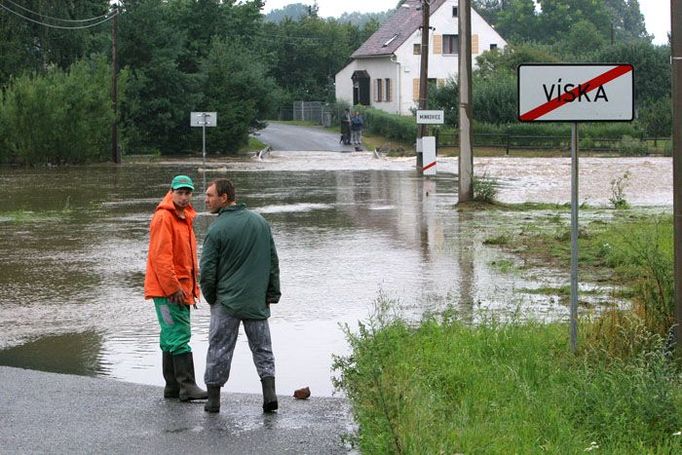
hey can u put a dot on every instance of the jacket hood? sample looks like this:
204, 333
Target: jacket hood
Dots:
167, 204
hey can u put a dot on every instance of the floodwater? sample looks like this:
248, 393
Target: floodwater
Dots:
348, 227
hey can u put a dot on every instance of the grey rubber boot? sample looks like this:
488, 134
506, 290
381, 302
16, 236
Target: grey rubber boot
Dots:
213, 403
269, 395
184, 374
172, 389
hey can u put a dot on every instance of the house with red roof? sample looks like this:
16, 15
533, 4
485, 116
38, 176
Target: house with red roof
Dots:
384, 71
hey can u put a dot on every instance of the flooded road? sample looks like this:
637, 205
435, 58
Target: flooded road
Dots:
348, 228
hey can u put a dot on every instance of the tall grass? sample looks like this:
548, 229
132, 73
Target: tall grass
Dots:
447, 387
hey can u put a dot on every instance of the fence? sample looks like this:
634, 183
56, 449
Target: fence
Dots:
308, 111
510, 142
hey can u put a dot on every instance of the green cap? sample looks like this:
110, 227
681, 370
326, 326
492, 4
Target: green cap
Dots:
182, 181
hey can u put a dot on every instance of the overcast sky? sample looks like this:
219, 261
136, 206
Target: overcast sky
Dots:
656, 12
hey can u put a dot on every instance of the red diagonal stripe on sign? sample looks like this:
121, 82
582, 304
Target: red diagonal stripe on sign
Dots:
592, 84
428, 166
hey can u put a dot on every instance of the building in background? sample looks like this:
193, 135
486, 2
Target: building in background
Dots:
384, 71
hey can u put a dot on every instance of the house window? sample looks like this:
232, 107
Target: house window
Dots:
417, 49
379, 90
493, 46
454, 11
450, 44
387, 84
390, 40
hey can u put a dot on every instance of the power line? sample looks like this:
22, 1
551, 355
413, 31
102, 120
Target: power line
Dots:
55, 18
61, 27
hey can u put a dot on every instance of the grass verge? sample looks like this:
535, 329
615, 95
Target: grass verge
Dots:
447, 387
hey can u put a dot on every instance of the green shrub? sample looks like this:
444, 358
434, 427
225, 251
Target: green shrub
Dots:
485, 189
447, 386
59, 117
629, 146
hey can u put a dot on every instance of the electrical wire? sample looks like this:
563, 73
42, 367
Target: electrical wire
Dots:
61, 27
54, 18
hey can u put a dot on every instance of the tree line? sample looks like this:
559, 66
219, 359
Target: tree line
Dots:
175, 56
178, 56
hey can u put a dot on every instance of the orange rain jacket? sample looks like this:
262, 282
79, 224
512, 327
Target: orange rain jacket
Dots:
172, 258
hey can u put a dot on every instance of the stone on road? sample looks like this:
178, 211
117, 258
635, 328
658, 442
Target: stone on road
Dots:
55, 413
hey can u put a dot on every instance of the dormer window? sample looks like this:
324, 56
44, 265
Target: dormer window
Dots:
390, 40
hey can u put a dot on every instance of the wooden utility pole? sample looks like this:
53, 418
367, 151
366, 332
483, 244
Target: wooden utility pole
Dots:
676, 42
466, 161
423, 73
115, 152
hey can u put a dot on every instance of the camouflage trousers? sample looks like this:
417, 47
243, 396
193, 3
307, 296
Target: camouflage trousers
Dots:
222, 338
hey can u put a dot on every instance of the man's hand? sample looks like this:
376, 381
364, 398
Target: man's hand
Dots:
178, 298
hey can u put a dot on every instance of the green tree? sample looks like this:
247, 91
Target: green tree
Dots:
627, 20
59, 116
155, 116
27, 46
558, 16
306, 54
651, 64
241, 95
656, 117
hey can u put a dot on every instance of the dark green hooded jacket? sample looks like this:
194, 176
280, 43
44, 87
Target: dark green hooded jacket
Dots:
239, 264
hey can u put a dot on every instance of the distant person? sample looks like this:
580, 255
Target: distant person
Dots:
356, 125
172, 281
239, 279
345, 127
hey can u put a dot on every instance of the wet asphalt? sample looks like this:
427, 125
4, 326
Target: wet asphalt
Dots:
285, 137
55, 413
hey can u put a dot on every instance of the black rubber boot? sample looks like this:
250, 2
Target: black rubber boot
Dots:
213, 403
172, 389
269, 395
184, 374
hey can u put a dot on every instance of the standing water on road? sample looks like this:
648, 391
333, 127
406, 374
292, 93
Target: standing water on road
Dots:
347, 227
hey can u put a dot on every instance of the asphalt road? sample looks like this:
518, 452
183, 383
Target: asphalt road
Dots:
285, 137
54, 413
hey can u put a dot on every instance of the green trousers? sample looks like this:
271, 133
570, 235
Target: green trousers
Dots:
175, 327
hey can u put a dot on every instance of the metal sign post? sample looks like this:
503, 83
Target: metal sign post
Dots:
203, 120
575, 93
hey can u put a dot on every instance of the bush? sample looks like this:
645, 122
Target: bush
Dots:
391, 126
60, 117
629, 146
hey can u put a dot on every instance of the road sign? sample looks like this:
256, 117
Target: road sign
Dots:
575, 93
430, 117
206, 119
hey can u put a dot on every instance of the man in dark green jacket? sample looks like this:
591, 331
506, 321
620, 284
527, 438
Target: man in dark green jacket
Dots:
239, 280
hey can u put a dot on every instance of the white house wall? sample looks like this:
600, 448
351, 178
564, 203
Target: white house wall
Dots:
405, 66
378, 68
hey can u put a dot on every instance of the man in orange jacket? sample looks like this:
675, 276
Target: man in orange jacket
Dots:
172, 281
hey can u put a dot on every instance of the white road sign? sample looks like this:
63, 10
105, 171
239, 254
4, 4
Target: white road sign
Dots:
575, 93
203, 119
430, 117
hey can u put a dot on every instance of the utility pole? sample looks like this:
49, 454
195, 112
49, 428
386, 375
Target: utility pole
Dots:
466, 161
676, 42
423, 73
115, 152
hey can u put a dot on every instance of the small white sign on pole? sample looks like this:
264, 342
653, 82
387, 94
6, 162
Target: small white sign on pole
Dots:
575, 93
429, 155
203, 120
430, 117
207, 119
